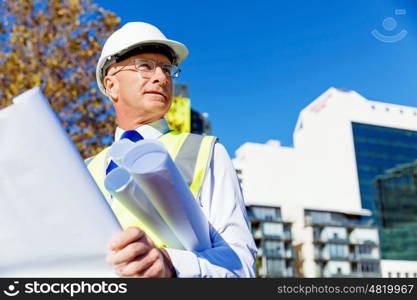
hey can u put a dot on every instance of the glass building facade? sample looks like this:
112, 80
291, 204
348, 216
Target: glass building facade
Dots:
377, 150
397, 199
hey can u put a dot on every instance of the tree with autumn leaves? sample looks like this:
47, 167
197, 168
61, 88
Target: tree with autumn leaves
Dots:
55, 44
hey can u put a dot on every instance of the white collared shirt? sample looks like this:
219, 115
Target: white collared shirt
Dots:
149, 131
233, 249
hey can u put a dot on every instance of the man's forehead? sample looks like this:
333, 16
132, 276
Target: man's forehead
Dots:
158, 57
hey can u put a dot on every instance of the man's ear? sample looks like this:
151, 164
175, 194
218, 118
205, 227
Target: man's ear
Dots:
111, 84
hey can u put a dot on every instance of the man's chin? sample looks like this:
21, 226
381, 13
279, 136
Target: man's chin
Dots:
156, 97
157, 107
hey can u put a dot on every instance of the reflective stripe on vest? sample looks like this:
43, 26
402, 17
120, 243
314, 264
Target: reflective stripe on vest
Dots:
192, 155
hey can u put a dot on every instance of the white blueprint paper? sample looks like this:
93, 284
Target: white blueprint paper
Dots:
54, 221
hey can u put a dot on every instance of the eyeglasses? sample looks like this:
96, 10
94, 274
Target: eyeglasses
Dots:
147, 67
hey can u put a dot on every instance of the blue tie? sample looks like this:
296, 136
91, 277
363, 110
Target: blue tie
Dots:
132, 135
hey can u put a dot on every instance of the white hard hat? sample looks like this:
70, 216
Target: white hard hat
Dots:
130, 36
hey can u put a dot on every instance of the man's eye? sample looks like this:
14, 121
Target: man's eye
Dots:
145, 66
167, 69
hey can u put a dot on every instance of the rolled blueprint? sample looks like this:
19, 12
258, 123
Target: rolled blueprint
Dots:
122, 186
152, 167
119, 149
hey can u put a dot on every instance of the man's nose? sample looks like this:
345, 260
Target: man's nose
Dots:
159, 76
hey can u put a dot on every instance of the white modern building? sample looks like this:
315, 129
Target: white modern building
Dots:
342, 141
398, 269
334, 244
273, 239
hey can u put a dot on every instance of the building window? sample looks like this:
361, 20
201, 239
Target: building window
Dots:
274, 266
398, 274
287, 232
370, 268
317, 234
266, 213
272, 229
272, 247
364, 249
337, 251
389, 275
318, 217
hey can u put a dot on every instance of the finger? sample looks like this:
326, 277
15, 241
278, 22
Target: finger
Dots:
128, 253
125, 238
139, 265
156, 270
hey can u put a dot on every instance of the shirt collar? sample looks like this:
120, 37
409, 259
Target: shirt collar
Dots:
149, 131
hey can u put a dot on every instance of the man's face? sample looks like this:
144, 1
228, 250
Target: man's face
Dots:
149, 97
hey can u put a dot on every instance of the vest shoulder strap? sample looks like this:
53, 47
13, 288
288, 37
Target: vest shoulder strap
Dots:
193, 160
97, 165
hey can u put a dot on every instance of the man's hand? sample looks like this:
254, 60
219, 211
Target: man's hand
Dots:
133, 254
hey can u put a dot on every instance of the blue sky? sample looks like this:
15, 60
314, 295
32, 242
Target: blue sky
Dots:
254, 65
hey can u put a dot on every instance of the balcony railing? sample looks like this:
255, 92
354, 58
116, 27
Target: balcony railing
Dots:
338, 240
338, 275
363, 242
275, 272
327, 273
333, 240
258, 234
327, 256
348, 275
289, 272
365, 274
275, 253
367, 256
339, 256
254, 217
350, 223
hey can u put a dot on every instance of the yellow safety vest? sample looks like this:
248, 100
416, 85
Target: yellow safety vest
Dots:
191, 153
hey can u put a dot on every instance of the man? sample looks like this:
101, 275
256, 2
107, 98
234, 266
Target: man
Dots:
135, 71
